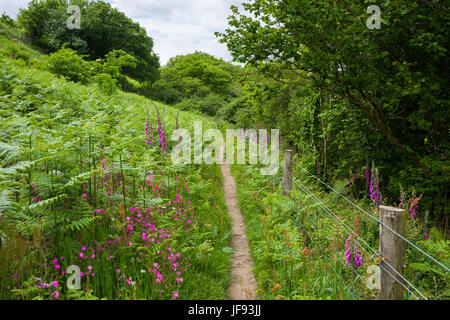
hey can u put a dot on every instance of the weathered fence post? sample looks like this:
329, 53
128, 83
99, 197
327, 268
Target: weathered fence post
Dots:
392, 250
287, 174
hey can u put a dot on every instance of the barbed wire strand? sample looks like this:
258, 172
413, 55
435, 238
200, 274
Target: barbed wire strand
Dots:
334, 215
351, 230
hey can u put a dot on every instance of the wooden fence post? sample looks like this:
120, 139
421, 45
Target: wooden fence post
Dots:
392, 250
287, 174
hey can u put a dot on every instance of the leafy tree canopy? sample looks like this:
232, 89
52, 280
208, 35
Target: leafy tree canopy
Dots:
197, 81
198, 74
103, 29
397, 75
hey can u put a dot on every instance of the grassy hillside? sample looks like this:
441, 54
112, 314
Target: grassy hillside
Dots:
82, 182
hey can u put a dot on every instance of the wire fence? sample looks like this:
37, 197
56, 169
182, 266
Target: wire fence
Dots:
375, 218
372, 253
361, 242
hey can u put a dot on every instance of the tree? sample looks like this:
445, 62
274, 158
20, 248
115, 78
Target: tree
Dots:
197, 81
103, 29
116, 62
45, 24
106, 29
382, 94
198, 74
397, 75
7, 20
67, 63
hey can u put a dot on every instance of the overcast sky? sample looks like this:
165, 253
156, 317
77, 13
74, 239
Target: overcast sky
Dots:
176, 26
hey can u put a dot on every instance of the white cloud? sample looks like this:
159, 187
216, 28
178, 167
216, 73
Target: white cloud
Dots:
180, 26
176, 26
11, 8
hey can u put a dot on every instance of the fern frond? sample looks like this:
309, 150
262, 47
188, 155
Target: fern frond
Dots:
9, 152
7, 202
48, 202
79, 179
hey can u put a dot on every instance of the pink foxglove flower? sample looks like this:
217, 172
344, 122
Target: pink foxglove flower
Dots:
352, 255
375, 194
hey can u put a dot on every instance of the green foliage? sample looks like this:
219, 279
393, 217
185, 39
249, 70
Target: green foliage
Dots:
107, 83
52, 35
13, 48
103, 30
298, 247
196, 81
67, 63
9, 28
208, 105
162, 92
198, 74
357, 94
106, 73
7, 20
342, 95
116, 62
230, 110
54, 135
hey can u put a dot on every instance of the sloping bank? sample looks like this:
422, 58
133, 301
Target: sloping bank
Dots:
80, 186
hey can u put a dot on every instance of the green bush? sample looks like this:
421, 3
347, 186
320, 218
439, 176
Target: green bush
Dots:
209, 105
8, 28
189, 104
16, 52
14, 49
107, 83
229, 111
7, 20
162, 92
67, 63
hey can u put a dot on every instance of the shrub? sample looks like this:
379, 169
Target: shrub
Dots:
14, 49
16, 52
7, 20
67, 63
229, 111
211, 104
189, 104
8, 28
106, 82
161, 92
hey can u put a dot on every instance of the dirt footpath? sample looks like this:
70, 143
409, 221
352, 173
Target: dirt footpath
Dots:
243, 284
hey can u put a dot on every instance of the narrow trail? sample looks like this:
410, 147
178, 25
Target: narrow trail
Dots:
243, 283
